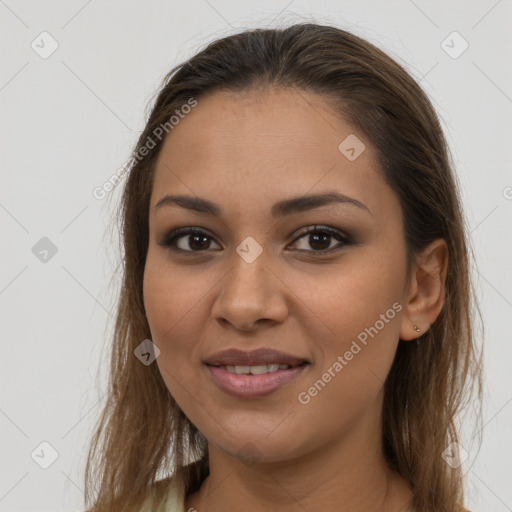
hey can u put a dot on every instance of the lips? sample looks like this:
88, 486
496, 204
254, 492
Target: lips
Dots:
261, 356
254, 386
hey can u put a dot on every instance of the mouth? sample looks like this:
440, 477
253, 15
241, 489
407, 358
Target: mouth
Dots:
256, 381
259, 369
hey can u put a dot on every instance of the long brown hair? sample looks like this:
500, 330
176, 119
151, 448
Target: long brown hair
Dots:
142, 433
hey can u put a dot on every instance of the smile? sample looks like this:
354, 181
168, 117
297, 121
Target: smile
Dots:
256, 370
254, 381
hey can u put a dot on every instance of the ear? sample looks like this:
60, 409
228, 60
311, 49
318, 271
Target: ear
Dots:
426, 290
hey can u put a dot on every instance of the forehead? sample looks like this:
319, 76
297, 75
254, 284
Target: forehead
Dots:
259, 144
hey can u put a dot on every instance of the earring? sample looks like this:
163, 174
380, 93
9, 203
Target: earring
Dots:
416, 328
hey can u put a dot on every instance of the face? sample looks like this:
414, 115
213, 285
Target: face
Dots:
253, 276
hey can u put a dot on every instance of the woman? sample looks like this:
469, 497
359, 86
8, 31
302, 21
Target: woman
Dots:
295, 322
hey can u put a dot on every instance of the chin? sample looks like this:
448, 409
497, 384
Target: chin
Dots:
254, 449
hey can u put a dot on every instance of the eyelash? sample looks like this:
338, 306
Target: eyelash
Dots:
170, 239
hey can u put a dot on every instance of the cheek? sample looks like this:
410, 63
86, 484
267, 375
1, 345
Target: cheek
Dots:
354, 295
360, 308
170, 313
173, 306
171, 297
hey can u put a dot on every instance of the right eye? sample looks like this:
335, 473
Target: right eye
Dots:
195, 239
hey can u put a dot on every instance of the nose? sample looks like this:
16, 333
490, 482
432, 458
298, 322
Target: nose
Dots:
250, 293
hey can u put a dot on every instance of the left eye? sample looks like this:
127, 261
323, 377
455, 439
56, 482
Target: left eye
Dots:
320, 238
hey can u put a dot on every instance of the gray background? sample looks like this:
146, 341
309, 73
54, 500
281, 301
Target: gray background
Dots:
69, 122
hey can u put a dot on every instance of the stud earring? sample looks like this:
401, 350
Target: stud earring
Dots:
416, 328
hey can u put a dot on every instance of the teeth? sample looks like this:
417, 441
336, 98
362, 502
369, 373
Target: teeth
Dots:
255, 370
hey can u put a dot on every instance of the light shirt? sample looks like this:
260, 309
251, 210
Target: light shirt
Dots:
174, 502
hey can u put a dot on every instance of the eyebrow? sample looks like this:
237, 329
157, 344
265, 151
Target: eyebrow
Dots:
280, 209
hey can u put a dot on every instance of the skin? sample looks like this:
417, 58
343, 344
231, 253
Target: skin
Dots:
245, 152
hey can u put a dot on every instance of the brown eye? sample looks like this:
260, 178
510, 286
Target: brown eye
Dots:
321, 238
194, 240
